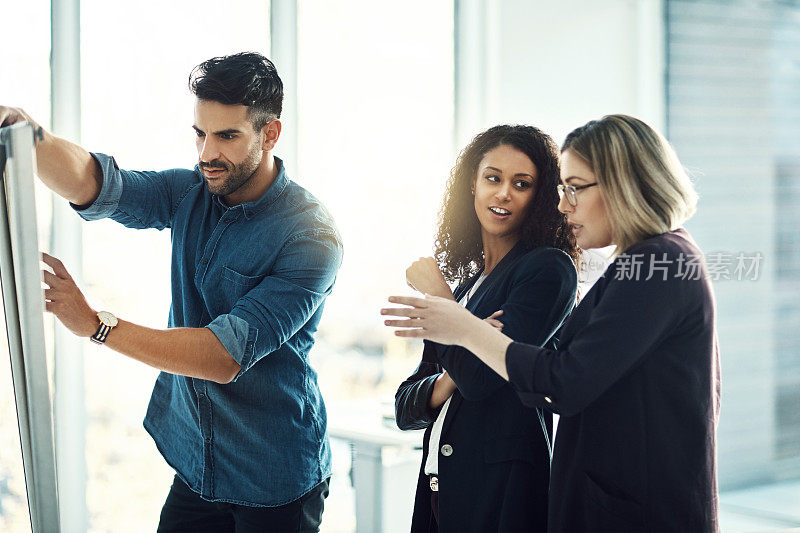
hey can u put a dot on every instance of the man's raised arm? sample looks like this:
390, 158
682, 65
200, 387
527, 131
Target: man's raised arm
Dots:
64, 167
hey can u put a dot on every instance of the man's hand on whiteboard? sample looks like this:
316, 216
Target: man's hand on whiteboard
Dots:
14, 115
193, 352
65, 300
65, 168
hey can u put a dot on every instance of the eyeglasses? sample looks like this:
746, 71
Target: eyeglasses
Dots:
572, 192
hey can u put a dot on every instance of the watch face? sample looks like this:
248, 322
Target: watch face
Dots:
107, 318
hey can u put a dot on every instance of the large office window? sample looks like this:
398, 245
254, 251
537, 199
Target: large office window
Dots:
785, 88
733, 93
375, 93
375, 121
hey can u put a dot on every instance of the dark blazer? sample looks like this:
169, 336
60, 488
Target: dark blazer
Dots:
496, 477
636, 380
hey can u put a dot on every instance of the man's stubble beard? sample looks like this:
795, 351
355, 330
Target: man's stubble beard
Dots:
239, 175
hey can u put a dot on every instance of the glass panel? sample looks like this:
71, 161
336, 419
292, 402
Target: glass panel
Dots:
25, 82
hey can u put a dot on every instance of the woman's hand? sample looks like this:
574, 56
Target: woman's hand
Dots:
433, 318
493, 321
424, 276
446, 322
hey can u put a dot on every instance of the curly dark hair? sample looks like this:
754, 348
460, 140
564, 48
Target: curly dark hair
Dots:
459, 247
246, 78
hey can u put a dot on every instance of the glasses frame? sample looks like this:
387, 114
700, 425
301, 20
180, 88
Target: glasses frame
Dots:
571, 192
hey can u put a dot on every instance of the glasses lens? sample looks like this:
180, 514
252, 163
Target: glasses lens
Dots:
572, 196
569, 191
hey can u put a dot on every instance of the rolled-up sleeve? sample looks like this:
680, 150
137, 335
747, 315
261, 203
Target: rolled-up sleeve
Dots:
138, 199
413, 397
108, 200
275, 309
236, 336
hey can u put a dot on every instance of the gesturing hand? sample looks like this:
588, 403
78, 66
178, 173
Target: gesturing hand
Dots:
424, 276
65, 300
433, 318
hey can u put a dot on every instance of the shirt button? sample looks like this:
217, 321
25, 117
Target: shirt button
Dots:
204, 261
202, 395
447, 450
547, 399
208, 440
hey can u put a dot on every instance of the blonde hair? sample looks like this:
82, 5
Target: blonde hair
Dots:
645, 188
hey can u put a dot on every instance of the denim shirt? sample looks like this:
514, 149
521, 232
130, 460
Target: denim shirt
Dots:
256, 275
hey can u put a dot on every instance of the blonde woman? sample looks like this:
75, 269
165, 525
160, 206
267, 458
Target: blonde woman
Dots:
635, 377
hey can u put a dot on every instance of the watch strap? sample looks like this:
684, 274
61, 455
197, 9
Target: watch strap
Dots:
101, 334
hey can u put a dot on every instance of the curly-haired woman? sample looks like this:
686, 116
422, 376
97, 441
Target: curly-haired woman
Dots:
486, 461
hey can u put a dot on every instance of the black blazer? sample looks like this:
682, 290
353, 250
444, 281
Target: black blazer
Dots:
636, 380
496, 477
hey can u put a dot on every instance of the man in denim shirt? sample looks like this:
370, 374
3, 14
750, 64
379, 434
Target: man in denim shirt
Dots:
236, 410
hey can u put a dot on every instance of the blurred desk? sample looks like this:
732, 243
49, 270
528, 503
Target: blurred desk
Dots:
385, 463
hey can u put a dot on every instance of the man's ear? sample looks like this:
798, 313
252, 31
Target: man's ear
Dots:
270, 134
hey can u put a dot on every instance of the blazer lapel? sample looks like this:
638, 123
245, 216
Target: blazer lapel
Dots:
465, 286
579, 316
496, 274
455, 402
472, 304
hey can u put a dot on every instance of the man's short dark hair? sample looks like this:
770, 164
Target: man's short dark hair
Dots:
246, 78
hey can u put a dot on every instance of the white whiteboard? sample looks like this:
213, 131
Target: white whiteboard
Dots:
23, 302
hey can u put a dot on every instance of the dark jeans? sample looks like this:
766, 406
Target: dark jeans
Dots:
185, 511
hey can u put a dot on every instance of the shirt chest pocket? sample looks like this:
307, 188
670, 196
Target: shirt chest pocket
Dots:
238, 280
231, 286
